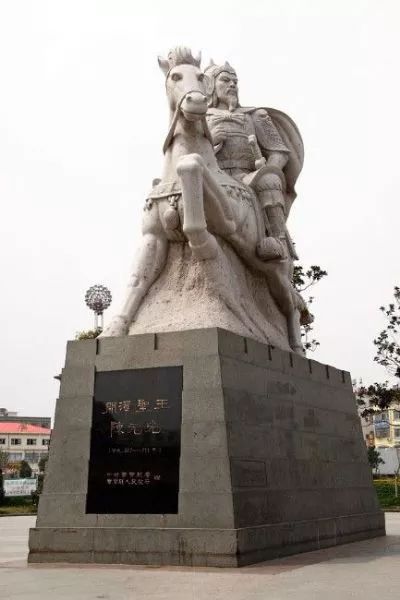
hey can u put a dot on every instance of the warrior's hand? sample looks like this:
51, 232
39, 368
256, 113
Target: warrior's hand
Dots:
218, 135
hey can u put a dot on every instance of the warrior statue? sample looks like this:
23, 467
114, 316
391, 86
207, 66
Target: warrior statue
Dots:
215, 250
249, 146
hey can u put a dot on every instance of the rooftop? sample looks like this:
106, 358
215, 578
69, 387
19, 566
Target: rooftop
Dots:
7, 427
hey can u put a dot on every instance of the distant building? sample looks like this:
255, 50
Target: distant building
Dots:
13, 417
382, 429
391, 460
387, 428
23, 441
367, 426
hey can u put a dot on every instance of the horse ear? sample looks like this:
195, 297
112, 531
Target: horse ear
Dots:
197, 59
208, 84
164, 65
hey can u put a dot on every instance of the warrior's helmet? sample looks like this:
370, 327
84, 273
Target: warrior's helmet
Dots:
212, 72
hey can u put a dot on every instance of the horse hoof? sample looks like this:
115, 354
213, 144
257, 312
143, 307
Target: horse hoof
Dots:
208, 250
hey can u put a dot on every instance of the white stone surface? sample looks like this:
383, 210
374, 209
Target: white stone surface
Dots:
225, 195
363, 570
189, 293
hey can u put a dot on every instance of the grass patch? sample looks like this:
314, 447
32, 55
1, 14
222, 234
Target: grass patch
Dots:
385, 492
19, 505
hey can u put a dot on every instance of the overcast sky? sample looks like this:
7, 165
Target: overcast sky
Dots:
82, 120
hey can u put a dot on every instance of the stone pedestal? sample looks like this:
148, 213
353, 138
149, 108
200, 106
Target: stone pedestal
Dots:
272, 460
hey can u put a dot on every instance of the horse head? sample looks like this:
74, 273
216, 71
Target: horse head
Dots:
185, 84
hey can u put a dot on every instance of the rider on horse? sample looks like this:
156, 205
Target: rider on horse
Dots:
250, 148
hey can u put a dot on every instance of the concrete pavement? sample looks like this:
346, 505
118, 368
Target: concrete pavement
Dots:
364, 570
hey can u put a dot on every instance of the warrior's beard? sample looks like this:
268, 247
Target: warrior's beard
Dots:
232, 102
230, 99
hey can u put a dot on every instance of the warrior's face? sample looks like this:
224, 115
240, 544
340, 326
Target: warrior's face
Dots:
226, 89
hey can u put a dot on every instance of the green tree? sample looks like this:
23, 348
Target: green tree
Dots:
40, 479
42, 463
3, 465
1, 488
24, 470
380, 396
374, 458
376, 397
388, 341
4, 461
302, 281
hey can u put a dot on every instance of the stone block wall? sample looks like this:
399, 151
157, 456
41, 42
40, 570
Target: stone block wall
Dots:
272, 457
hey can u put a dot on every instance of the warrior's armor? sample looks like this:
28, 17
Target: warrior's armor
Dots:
259, 164
236, 155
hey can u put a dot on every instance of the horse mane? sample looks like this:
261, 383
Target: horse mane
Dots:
183, 56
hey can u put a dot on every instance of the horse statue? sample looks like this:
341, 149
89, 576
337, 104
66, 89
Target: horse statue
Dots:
199, 218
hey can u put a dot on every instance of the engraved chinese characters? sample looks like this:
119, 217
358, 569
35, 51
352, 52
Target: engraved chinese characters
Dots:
135, 442
132, 407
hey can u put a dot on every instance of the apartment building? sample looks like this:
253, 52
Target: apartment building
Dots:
382, 429
22, 441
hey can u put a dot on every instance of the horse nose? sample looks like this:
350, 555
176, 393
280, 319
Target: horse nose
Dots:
199, 97
195, 103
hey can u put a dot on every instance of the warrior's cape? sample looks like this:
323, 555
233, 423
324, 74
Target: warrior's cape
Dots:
277, 132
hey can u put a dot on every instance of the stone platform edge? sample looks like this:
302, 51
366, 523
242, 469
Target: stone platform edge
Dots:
173, 348
197, 546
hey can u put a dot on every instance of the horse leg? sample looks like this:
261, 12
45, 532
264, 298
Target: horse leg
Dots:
202, 243
283, 294
279, 277
197, 179
294, 331
148, 266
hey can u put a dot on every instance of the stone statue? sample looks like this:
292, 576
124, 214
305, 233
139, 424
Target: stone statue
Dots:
250, 148
206, 259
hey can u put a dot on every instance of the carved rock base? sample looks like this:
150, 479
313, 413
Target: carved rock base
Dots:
221, 293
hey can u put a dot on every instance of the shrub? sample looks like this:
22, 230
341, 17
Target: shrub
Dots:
385, 490
1, 488
24, 470
90, 334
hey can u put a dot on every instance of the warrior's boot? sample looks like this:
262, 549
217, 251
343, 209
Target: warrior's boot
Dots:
274, 246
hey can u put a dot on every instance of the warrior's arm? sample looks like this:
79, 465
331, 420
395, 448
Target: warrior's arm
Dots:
218, 134
269, 140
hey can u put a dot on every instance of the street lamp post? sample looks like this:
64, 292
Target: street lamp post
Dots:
98, 299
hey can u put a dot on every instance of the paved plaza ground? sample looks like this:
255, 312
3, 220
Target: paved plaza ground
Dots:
366, 570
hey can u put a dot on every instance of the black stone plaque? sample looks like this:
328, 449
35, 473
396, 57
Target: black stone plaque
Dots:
135, 442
